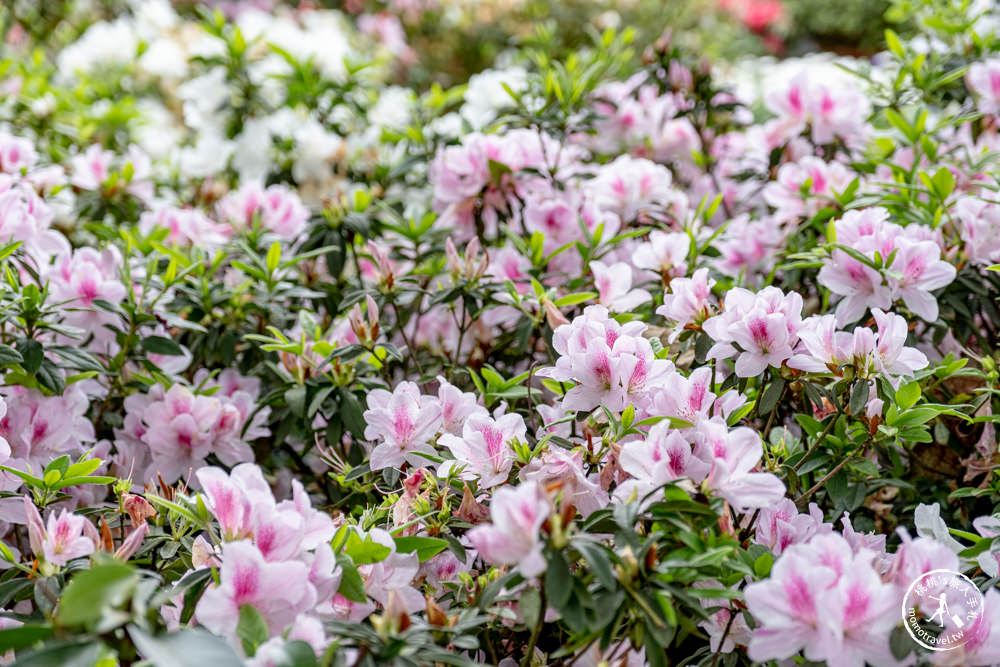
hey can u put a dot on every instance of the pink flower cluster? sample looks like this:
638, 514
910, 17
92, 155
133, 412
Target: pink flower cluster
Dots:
275, 557
823, 349
836, 597
908, 266
278, 209
764, 325
172, 432
612, 364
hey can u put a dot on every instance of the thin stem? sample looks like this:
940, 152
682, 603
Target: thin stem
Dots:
812, 447
530, 649
722, 640
837, 468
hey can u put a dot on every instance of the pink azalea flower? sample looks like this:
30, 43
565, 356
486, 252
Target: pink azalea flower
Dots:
663, 456
392, 577
456, 406
983, 79
892, 355
916, 268
782, 525
614, 287
980, 229
831, 110
185, 226
664, 253
512, 538
786, 193
825, 600
733, 456
405, 422
279, 209
922, 271
637, 189
687, 301
484, 450
61, 540
612, 364
558, 467
765, 326
16, 153
275, 589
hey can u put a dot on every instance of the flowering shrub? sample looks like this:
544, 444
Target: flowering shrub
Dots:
586, 362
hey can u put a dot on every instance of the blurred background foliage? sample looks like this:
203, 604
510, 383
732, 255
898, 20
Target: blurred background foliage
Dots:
453, 39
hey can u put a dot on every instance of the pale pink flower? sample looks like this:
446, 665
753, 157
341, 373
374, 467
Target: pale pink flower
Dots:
663, 456
830, 109
733, 457
61, 540
185, 226
781, 525
724, 634
980, 229
790, 196
747, 246
636, 189
892, 355
922, 270
825, 600
663, 253
16, 153
484, 451
512, 538
765, 326
277, 590
392, 577
614, 287
559, 467
687, 302
456, 406
983, 79
613, 364
404, 422
184, 428
278, 208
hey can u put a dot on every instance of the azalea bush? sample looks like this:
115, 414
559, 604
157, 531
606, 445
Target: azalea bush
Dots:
600, 358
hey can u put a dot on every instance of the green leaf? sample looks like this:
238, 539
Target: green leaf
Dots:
915, 417
907, 395
295, 653
32, 353
573, 299
251, 629
598, 560
352, 586
762, 565
94, 592
9, 356
892, 41
24, 636
859, 397
769, 399
530, 604
161, 345
362, 551
50, 377
944, 182
558, 581
81, 654
426, 547
273, 257
187, 648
